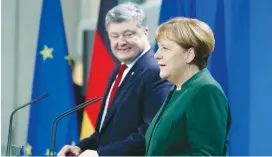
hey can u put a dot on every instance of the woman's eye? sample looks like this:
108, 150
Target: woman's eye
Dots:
164, 48
128, 34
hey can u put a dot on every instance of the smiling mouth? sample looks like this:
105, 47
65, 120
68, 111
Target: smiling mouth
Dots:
162, 65
123, 49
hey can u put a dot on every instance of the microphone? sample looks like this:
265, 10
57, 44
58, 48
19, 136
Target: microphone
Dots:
11, 119
56, 120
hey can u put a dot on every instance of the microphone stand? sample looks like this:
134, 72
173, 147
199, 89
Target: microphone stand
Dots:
11, 119
55, 122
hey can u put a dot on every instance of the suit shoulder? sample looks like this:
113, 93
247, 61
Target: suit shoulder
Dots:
207, 83
206, 87
211, 90
151, 65
148, 61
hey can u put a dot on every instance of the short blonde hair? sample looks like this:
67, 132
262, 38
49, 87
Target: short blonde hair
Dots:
189, 33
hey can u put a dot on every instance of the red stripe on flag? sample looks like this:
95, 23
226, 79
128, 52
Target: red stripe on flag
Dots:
102, 65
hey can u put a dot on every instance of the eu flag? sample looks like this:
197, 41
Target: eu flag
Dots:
174, 8
52, 75
218, 66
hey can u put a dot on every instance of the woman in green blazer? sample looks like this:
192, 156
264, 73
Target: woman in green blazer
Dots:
195, 117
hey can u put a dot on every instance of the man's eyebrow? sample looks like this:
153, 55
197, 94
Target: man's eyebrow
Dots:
114, 33
128, 30
161, 44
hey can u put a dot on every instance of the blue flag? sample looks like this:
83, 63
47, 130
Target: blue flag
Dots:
218, 66
52, 75
174, 8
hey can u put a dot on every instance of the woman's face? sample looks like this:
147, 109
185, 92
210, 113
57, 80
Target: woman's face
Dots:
171, 58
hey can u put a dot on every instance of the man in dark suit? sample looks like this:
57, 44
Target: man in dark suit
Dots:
135, 90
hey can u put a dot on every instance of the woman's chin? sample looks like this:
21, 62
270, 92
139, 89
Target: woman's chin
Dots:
163, 75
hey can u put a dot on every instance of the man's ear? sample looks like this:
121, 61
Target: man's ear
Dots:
146, 31
190, 55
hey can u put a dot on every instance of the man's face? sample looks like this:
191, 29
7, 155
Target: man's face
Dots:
127, 40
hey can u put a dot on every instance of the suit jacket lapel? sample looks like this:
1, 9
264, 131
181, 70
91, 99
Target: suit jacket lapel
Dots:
158, 117
120, 95
130, 78
111, 80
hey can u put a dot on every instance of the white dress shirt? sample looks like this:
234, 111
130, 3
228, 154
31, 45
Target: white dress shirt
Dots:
129, 66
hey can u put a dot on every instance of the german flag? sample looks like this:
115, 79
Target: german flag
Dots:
102, 64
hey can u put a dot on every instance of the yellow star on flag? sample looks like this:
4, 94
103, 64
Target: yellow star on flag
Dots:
73, 143
28, 149
47, 52
47, 152
69, 59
